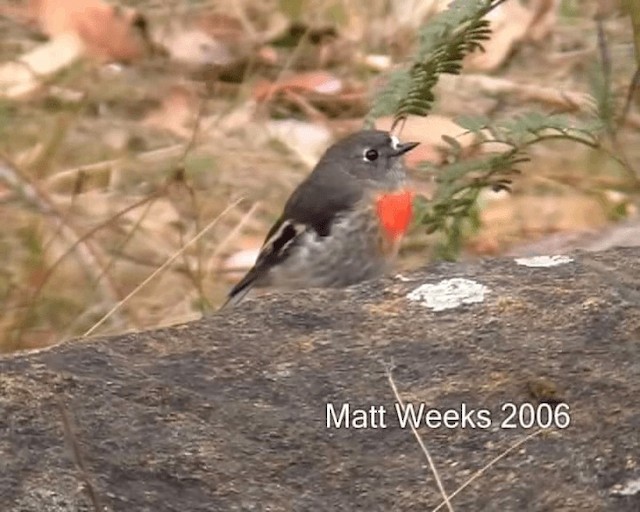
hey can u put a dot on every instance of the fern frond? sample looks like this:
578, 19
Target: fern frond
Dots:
442, 45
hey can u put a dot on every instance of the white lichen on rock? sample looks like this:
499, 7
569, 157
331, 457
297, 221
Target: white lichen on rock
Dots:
629, 489
544, 261
448, 294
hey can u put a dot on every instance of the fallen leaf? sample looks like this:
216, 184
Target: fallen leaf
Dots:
377, 62
512, 23
176, 111
27, 74
109, 33
307, 140
318, 94
543, 20
221, 27
196, 48
320, 82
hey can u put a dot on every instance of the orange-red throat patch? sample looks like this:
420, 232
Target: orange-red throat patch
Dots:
395, 210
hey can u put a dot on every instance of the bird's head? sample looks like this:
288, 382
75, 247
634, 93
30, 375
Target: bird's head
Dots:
371, 156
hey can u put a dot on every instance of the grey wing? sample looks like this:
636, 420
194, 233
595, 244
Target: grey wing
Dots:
314, 205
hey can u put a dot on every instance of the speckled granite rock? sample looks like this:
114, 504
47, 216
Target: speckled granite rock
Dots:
228, 413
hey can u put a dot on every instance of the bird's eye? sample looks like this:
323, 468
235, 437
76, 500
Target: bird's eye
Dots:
370, 155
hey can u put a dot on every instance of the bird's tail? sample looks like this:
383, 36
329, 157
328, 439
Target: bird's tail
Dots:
240, 290
235, 299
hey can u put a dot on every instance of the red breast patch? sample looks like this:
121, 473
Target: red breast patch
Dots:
395, 211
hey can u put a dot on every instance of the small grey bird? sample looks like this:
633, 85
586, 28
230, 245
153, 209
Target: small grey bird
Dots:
343, 224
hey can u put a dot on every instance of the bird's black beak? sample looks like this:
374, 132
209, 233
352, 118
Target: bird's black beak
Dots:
404, 148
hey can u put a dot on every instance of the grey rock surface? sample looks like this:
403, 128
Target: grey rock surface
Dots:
229, 413
619, 234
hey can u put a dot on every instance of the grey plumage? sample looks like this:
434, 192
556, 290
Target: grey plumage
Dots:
327, 235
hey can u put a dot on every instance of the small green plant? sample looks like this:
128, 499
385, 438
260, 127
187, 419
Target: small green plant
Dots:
442, 45
455, 203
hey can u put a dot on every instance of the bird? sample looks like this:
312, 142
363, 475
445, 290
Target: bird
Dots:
343, 224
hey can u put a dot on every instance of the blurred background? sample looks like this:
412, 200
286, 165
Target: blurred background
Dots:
147, 146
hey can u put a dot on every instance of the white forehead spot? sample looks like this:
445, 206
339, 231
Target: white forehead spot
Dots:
544, 261
395, 142
448, 294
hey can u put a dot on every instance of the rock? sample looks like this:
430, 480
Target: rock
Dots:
620, 234
229, 413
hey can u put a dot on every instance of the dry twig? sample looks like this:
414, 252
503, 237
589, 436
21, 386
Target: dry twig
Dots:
71, 440
446, 499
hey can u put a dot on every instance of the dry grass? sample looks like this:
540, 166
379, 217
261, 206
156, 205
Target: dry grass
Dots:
446, 498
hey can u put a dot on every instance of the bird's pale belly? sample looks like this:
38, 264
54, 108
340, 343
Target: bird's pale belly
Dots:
355, 251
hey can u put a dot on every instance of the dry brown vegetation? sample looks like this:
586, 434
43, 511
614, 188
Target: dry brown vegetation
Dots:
130, 191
